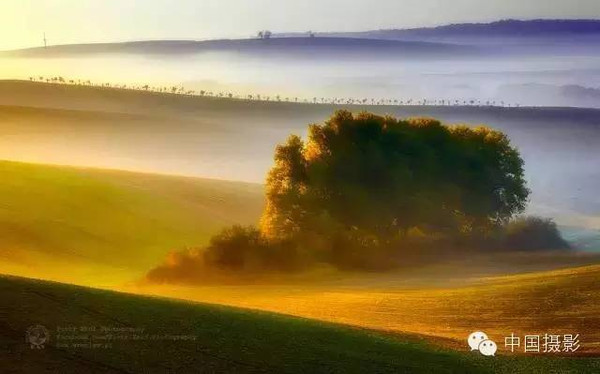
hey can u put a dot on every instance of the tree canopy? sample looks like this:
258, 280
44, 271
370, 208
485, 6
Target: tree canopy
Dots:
385, 176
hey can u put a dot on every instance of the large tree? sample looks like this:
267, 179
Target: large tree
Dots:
373, 192
383, 176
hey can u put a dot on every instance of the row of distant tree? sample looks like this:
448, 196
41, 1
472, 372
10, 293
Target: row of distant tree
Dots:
180, 90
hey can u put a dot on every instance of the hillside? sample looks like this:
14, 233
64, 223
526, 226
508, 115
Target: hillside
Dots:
103, 227
440, 301
183, 337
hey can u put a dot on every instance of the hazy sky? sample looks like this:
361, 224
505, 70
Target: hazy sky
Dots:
22, 22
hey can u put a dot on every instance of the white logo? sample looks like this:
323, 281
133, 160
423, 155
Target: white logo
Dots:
488, 347
37, 336
475, 338
479, 341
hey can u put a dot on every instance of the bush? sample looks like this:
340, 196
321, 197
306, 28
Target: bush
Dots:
179, 267
234, 247
246, 249
533, 233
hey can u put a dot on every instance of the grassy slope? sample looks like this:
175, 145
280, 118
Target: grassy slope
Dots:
563, 301
68, 223
226, 339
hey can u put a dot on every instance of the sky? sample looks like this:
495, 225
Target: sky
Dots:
23, 22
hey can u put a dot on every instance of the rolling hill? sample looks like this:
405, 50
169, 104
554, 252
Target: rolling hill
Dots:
442, 302
134, 334
103, 227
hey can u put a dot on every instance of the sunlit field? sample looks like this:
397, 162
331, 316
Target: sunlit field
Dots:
443, 308
216, 338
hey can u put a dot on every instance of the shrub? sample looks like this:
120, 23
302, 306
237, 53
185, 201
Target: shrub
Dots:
246, 249
533, 233
234, 248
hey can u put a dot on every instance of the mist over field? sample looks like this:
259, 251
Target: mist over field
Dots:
540, 74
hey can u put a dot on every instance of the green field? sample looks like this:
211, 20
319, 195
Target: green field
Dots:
102, 227
207, 338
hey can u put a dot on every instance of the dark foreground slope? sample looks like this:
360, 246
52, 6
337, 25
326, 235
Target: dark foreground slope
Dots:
184, 337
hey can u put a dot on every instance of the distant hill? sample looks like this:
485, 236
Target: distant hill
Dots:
504, 28
579, 92
549, 94
297, 46
522, 37
455, 40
